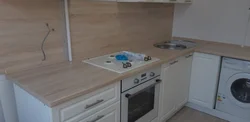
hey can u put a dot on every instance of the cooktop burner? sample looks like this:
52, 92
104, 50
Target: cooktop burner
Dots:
121, 62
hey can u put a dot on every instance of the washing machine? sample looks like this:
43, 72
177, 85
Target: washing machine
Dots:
233, 96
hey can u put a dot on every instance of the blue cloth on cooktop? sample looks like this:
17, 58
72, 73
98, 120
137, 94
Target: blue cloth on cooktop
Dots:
121, 57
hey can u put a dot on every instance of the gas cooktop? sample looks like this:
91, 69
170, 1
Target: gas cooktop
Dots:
121, 62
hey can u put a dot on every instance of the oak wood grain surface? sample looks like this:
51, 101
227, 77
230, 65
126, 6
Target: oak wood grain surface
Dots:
100, 28
22, 29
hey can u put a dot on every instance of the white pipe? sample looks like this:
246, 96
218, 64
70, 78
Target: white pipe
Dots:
66, 14
247, 29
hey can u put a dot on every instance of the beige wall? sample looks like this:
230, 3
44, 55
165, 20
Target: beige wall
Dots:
22, 29
99, 28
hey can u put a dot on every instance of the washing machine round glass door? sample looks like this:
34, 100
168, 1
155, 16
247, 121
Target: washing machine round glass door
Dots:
238, 89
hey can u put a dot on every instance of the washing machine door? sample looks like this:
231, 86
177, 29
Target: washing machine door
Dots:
238, 89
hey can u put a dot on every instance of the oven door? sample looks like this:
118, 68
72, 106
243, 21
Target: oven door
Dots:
140, 104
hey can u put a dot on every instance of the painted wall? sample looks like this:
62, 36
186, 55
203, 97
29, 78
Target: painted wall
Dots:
213, 20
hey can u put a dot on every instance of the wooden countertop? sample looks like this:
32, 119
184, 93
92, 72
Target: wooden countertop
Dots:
59, 83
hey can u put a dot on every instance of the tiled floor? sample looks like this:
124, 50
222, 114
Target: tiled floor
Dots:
191, 115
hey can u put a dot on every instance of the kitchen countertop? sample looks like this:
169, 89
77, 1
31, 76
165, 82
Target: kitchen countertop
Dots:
59, 83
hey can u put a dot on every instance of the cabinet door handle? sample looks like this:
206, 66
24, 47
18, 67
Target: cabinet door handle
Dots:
172, 0
96, 119
188, 56
174, 62
94, 104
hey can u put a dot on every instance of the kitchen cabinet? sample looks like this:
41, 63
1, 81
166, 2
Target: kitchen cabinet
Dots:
109, 114
184, 82
101, 105
7, 101
204, 79
175, 86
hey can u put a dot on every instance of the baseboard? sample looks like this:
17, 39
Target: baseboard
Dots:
215, 113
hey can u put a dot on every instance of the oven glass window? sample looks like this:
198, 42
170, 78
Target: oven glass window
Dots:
241, 90
141, 103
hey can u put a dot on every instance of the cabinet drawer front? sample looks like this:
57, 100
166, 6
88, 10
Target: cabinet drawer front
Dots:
93, 102
108, 114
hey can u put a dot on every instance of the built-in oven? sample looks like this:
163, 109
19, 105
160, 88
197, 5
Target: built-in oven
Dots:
140, 97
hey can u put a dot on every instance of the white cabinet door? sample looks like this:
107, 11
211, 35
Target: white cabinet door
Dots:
170, 75
182, 85
204, 79
175, 86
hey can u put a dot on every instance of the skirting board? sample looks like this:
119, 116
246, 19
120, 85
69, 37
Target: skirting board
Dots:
215, 113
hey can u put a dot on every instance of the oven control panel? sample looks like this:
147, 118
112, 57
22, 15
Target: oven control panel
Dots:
138, 79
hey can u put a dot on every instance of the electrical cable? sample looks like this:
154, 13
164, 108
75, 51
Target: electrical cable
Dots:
42, 46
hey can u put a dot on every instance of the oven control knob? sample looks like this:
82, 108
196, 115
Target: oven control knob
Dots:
136, 81
152, 74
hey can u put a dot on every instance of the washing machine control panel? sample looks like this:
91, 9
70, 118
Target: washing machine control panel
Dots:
236, 64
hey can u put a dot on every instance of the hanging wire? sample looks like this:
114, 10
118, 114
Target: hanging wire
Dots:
46, 36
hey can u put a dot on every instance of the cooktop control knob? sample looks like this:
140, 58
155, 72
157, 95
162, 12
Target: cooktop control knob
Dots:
152, 74
136, 81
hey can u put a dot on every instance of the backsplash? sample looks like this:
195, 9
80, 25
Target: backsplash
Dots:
99, 28
23, 27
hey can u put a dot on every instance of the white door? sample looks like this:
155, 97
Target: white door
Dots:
170, 76
182, 85
204, 79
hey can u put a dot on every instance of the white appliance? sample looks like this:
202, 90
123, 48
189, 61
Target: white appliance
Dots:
109, 61
140, 97
234, 88
8, 111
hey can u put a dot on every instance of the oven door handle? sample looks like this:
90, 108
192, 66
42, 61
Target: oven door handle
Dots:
157, 81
